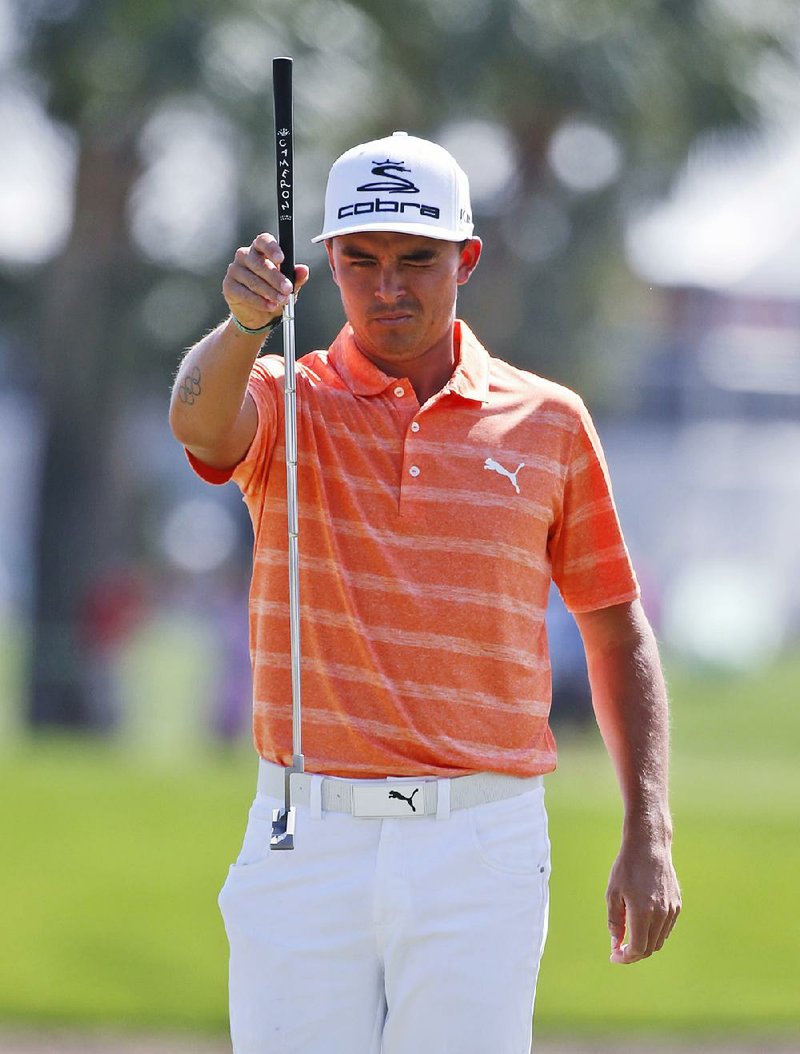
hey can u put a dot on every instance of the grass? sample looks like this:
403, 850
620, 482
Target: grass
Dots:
109, 885
111, 868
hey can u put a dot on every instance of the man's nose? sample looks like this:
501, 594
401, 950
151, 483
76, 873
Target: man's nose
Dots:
390, 286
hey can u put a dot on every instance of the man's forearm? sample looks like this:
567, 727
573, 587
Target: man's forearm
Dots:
210, 386
630, 701
211, 412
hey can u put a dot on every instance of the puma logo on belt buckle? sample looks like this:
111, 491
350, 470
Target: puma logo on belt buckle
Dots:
389, 799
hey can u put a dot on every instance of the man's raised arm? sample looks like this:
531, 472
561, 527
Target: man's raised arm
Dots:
211, 413
630, 702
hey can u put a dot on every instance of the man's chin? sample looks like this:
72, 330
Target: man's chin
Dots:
395, 333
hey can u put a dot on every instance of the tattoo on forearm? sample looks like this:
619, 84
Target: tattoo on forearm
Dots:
189, 388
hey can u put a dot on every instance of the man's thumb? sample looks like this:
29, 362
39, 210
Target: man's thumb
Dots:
616, 919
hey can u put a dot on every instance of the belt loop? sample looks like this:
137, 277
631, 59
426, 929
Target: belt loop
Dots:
315, 802
443, 799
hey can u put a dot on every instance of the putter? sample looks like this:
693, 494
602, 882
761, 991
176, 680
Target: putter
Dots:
283, 820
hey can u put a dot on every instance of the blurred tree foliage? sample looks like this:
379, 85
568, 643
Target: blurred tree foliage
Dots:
644, 79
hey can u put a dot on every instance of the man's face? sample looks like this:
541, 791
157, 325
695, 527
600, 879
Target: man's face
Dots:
399, 291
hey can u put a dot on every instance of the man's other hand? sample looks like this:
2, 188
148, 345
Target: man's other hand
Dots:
643, 899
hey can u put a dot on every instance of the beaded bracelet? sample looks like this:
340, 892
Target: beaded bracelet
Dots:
272, 324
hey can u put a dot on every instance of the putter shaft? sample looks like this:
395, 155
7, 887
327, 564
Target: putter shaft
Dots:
283, 820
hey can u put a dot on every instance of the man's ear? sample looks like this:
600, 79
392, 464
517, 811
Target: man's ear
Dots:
469, 255
331, 264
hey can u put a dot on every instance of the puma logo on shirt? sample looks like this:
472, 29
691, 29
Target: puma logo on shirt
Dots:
495, 466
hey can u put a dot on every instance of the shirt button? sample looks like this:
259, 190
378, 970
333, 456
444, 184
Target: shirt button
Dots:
399, 391
414, 426
413, 471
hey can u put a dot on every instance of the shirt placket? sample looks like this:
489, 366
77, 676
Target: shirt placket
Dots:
415, 464
413, 469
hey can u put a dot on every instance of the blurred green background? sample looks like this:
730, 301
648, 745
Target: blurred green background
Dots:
634, 174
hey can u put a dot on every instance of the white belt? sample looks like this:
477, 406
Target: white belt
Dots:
395, 797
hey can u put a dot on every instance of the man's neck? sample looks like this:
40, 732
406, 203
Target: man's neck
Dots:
428, 373
427, 382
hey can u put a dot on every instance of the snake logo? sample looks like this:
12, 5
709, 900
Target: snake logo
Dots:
390, 182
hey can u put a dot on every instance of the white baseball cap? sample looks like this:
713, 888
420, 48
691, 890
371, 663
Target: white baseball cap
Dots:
400, 183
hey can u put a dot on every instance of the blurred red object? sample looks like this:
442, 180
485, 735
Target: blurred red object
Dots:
114, 605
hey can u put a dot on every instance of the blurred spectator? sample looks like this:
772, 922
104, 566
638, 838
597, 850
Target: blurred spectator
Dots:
230, 716
115, 605
572, 697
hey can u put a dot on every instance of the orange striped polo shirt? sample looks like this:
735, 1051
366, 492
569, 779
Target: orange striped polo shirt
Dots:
428, 538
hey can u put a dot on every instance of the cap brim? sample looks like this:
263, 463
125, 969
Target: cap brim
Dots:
420, 229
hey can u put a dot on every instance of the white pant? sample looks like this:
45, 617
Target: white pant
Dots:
406, 936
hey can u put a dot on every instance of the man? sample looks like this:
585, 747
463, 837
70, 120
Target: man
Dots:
440, 491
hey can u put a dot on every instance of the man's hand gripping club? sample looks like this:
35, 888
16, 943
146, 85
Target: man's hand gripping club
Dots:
254, 288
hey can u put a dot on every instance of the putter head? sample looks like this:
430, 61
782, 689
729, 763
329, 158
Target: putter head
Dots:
282, 829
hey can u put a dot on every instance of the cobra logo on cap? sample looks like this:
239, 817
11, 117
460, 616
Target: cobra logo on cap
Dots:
390, 182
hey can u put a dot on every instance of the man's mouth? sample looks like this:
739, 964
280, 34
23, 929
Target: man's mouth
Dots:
392, 317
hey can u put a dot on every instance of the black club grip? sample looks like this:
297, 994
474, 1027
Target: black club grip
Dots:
284, 159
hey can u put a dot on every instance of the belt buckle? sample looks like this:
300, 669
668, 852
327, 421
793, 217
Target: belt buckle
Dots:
389, 799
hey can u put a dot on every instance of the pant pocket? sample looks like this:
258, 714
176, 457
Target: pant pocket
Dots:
254, 855
255, 845
511, 835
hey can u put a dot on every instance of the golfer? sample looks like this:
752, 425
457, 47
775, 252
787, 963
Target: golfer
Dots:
440, 491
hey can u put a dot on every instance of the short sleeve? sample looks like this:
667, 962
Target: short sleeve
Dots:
266, 388
590, 562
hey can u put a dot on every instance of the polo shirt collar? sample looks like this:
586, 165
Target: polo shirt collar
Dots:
470, 378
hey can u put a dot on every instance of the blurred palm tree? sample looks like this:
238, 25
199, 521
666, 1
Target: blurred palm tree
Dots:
566, 113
